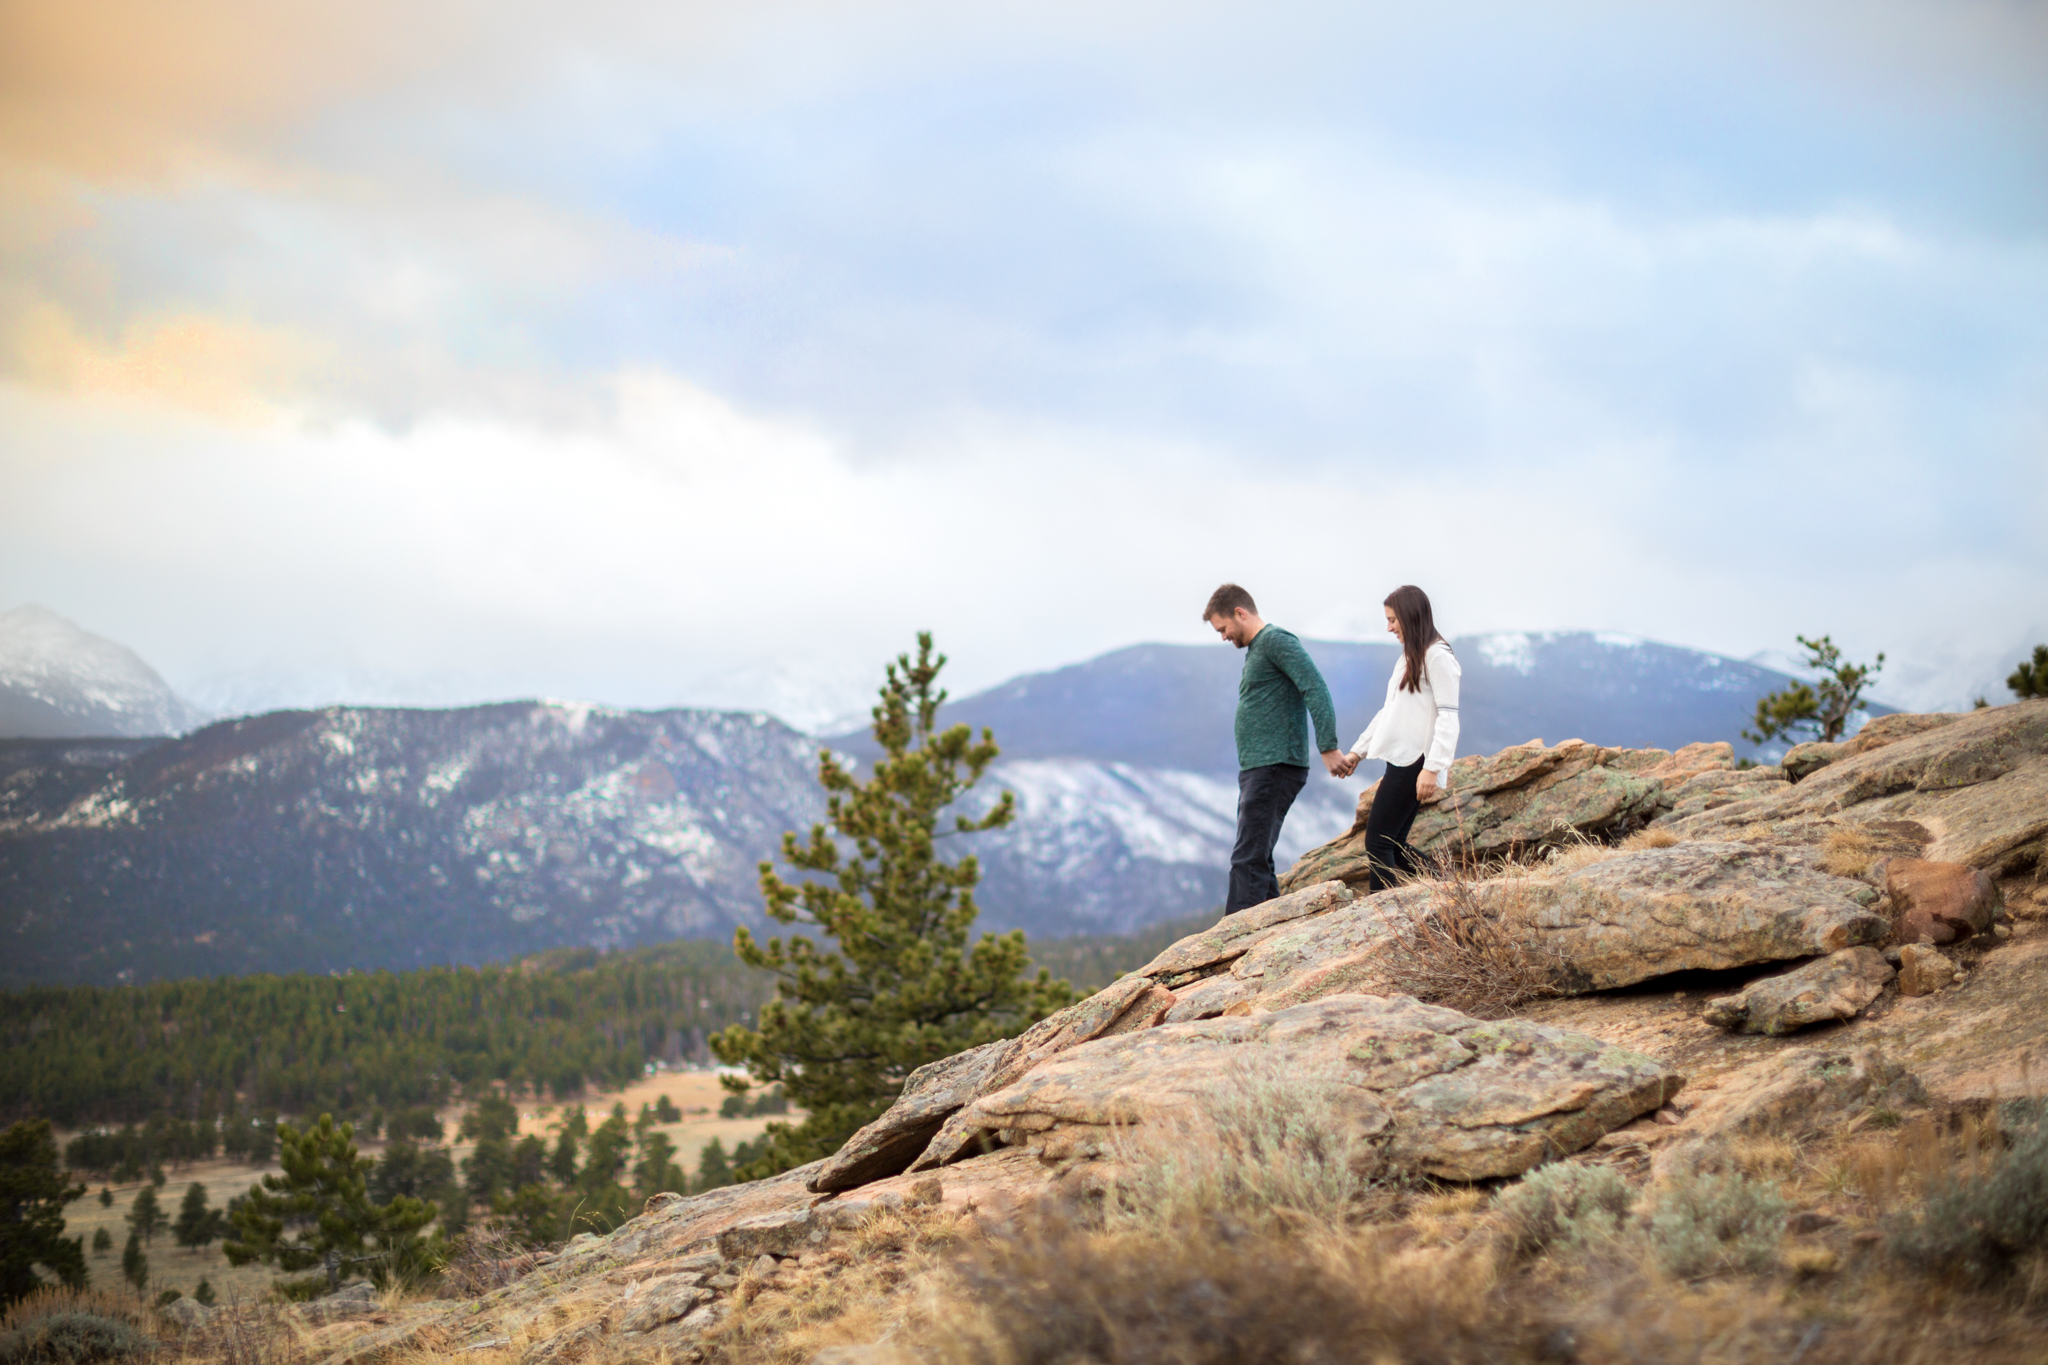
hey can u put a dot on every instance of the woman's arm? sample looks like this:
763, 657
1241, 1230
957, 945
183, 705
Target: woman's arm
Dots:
1444, 678
1365, 735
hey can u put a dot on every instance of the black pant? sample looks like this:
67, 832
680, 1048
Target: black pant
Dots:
1263, 796
1388, 822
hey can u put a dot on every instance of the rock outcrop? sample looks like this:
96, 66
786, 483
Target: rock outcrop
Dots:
1532, 795
1838, 986
1301, 997
1427, 1090
1977, 784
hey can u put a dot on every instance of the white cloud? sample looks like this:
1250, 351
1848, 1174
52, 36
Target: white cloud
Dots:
647, 354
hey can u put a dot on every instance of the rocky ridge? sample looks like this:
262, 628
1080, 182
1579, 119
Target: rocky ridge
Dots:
1798, 898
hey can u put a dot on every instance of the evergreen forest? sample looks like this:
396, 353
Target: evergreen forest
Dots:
201, 1064
175, 1071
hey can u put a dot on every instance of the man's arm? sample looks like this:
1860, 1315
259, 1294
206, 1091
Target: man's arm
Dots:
1301, 670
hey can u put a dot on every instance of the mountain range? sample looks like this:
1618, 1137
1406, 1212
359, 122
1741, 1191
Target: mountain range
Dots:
356, 837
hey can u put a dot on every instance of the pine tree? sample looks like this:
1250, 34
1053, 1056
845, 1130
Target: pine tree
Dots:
491, 1116
656, 1170
2030, 679
145, 1214
714, 1168
204, 1293
903, 986
1823, 708
196, 1225
604, 1201
575, 1128
102, 1242
135, 1264
319, 1212
33, 1193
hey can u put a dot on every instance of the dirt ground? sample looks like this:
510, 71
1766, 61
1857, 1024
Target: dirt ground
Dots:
697, 1093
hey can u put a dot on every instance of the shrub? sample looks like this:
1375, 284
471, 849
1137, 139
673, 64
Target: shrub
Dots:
58, 1326
1979, 1226
1566, 1206
1472, 949
1704, 1223
1272, 1145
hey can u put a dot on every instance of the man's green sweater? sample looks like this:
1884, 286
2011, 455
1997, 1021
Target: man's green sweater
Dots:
1279, 681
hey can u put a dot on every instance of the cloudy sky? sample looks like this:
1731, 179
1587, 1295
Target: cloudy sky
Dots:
649, 353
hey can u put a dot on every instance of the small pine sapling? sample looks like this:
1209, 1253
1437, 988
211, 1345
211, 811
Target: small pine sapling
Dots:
2030, 679
145, 1214
1820, 710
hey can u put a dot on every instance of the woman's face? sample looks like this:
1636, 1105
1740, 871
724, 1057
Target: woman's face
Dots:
1393, 625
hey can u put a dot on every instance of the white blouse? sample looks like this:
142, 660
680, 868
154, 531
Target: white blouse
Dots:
1413, 724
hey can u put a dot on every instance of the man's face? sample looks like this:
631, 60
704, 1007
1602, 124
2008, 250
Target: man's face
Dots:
1235, 627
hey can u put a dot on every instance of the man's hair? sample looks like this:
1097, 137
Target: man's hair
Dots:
1226, 600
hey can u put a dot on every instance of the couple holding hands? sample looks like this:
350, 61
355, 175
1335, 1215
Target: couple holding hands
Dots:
1415, 734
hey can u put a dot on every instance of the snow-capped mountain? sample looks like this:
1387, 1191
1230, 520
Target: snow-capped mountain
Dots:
389, 837
355, 837
60, 681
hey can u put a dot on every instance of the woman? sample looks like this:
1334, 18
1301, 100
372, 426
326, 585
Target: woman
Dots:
1415, 733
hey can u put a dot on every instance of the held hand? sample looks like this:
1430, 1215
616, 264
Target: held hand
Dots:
1333, 763
1425, 786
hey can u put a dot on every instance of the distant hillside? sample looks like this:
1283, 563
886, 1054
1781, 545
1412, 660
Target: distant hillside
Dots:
359, 838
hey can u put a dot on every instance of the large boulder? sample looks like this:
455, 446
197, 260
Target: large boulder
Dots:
1624, 919
1693, 906
1428, 1091
1936, 902
1838, 986
935, 1091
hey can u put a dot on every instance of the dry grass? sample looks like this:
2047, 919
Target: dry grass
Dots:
1849, 851
854, 1295
486, 1258
1765, 1157
1649, 838
1475, 948
1887, 1171
1060, 1294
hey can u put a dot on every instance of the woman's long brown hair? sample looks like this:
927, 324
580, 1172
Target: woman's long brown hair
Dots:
1418, 630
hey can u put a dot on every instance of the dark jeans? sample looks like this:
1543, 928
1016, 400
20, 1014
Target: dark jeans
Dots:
1263, 797
1388, 822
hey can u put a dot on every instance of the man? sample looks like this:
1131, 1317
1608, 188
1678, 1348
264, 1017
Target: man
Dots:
1278, 683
